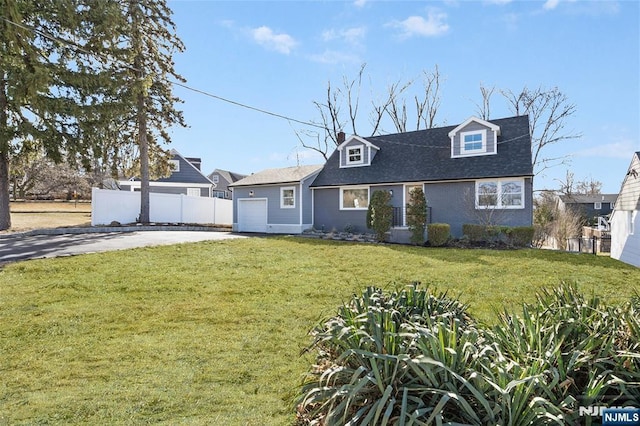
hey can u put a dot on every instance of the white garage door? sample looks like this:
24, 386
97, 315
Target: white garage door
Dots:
252, 215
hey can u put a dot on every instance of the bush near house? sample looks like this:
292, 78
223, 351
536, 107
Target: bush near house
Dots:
380, 214
415, 357
517, 236
438, 233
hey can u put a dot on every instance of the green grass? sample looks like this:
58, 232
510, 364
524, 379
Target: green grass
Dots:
211, 333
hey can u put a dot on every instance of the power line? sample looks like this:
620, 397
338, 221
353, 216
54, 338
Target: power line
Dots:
173, 82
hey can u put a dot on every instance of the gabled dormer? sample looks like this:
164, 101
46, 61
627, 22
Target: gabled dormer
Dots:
356, 152
474, 137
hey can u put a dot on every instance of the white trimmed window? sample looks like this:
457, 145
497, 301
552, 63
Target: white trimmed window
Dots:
354, 198
500, 194
473, 142
597, 205
214, 178
355, 154
193, 192
288, 197
174, 165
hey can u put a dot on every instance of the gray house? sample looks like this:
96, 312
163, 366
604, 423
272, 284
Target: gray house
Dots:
274, 200
221, 180
476, 172
186, 178
589, 206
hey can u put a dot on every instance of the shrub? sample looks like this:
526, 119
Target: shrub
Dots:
411, 357
520, 236
438, 233
380, 214
475, 233
417, 215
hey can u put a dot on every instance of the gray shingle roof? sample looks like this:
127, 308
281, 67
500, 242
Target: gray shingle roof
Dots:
588, 199
425, 155
283, 175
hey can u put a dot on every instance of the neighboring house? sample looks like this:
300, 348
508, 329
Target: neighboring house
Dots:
476, 172
186, 178
589, 206
274, 200
221, 180
625, 219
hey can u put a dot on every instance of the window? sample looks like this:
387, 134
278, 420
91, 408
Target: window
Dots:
193, 192
219, 194
214, 178
354, 155
500, 194
473, 142
354, 198
631, 216
287, 197
597, 205
174, 165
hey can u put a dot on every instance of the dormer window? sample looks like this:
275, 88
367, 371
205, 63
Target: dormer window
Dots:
473, 142
354, 155
356, 152
474, 137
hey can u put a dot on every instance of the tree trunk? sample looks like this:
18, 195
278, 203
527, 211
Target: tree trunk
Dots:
144, 161
5, 214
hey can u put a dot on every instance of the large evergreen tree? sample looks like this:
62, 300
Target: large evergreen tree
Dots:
145, 59
52, 80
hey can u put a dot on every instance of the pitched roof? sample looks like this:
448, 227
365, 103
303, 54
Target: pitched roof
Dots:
227, 175
284, 175
588, 199
425, 155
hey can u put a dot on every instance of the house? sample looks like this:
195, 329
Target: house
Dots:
186, 178
590, 207
476, 172
274, 200
221, 180
625, 219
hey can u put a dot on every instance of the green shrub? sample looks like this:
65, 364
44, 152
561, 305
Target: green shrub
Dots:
380, 214
411, 357
475, 233
438, 233
520, 236
417, 215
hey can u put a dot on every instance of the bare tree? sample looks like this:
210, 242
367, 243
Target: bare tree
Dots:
548, 112
392, 106
484, 110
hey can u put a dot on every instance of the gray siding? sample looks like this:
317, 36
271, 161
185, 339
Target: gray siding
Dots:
473, 126
307, 200
329, 217
354, 143
454, 203
275, 214
629, 198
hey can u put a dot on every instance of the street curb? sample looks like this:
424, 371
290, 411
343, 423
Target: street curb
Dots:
109, 229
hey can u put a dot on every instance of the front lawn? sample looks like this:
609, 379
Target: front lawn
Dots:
211, 333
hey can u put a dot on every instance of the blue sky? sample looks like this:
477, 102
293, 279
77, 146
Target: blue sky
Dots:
279, 56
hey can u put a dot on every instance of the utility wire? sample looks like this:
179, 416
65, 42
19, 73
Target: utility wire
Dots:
170, 81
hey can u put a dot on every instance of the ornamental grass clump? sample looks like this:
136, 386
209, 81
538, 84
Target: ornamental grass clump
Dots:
412, 357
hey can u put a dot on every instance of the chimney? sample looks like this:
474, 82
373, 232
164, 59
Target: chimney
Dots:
340, 137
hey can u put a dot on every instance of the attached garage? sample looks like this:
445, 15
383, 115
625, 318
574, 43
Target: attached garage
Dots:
252, 215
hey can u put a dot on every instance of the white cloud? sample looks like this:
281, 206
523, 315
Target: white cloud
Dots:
359, 3
550, 4
498, 2
335, 57
434, 25
282, 43
621, 149
352, 36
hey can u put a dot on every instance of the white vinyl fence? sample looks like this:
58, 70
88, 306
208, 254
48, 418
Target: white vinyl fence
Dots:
124, 207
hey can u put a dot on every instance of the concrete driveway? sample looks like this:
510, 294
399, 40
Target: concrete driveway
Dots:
22, 247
